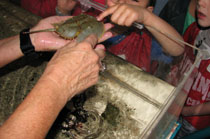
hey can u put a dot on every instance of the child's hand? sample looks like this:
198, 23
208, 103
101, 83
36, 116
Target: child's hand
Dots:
124, 14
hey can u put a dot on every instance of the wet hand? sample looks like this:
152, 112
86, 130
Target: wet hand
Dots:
48, 41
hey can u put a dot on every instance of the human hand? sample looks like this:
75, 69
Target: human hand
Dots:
50, 41
124, 13
47, 41
142, 3
75, 67
66, 6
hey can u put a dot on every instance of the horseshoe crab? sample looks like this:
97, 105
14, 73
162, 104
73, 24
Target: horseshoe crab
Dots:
78, 27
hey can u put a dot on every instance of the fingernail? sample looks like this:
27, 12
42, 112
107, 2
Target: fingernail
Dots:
108, 35
98, 18
100, 46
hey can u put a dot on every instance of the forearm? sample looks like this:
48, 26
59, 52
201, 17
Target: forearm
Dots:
9, 50
34, 117
155, 24
198, 110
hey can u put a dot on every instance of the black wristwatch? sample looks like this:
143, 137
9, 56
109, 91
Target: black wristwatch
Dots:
26, 45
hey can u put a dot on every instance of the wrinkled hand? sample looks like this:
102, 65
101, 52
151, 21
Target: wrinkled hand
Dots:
66, 6
50, 41
123, 13
75, 67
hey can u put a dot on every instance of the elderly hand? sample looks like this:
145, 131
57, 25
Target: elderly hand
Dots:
75, 67
50, 41
72, 69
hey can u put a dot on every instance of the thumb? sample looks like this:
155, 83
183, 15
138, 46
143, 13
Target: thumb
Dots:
92, 40
100, 50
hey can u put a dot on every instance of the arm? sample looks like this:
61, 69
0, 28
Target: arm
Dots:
126, 14
9, 50
171, 47
72, 69
197, 110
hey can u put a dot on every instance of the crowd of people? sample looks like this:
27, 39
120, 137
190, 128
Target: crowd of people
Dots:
189, 22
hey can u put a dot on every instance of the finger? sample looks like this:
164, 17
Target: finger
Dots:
130, 19
108, 26
116, 15
106, 35
126, 18
107, 12
119, 14
122, 19
100, 50
92, 40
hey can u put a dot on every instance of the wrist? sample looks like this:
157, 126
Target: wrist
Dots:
59, 80
26, 46
34, 37
147, 18
53, 88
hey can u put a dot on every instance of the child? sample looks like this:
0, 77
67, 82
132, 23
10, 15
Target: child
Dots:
135, 45
178, 13
196, 112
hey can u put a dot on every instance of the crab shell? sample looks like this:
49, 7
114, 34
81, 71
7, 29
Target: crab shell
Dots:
79, 27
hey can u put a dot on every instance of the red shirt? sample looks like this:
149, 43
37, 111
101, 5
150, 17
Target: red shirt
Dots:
135, 48
198, 84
